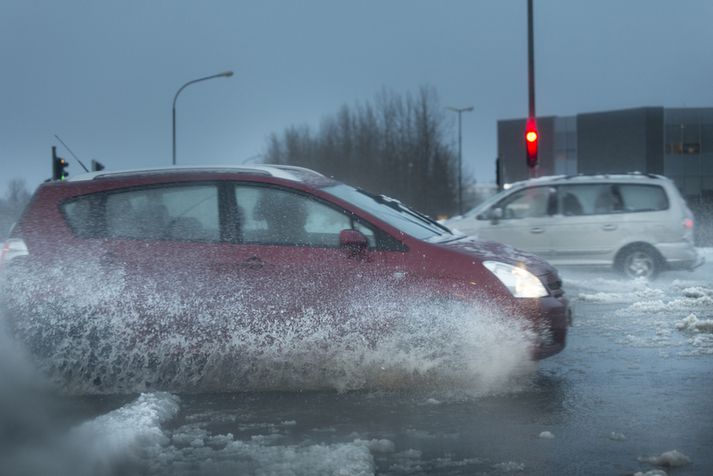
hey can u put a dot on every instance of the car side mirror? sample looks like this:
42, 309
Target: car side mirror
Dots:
354, 242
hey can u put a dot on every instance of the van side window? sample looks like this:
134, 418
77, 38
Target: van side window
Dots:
643, 198
528, 203
588, 199
609, 198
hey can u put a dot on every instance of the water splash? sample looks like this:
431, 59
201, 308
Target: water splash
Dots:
104, 336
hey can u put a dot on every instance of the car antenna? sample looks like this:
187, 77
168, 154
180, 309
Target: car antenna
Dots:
70, 151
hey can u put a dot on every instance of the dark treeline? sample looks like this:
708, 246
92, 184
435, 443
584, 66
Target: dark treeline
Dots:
394, 145
12, 205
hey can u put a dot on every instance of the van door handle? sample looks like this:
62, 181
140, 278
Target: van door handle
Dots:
609, 227
537, 229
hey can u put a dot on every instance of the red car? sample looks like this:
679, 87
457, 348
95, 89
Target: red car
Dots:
272, 241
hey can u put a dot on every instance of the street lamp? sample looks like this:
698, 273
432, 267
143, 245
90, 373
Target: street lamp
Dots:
460, 111
224, 74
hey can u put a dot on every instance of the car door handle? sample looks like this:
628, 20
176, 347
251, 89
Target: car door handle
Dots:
252, 263
537, 229
109, 259
609, 227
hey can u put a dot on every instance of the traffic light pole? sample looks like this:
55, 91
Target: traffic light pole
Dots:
530, 61
531, 117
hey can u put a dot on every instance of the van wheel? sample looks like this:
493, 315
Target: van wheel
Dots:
639, 262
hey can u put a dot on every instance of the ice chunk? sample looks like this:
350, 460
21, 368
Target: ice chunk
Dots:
669, 459
692, 323
510, 467
547, 435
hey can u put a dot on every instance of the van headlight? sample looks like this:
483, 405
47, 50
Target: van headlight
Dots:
520, 282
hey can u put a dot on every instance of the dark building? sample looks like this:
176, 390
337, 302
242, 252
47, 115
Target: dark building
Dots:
621, 141
674, 142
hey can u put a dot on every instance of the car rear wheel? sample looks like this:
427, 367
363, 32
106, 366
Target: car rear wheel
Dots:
639, 262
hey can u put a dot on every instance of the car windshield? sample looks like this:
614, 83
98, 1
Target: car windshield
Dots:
394, 213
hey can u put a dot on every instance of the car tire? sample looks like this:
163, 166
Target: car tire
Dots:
639, 262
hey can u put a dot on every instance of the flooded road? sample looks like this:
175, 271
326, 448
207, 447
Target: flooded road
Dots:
630, 393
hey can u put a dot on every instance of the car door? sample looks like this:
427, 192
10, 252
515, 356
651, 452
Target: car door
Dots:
522, 219
165, 243
288, 259
589, 224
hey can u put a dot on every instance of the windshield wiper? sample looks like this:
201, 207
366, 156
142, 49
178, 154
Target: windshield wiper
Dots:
401, 208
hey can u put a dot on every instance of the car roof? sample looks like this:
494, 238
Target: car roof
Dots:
285, 172
632, 177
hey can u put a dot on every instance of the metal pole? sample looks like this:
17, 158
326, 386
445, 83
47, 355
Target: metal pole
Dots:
460, 166
530, 60
531, 72
224, 74
460, 111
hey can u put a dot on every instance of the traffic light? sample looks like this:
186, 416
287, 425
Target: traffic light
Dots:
59, 166
532, 139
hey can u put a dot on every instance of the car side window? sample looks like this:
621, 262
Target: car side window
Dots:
179, 213
274, 216
528, 203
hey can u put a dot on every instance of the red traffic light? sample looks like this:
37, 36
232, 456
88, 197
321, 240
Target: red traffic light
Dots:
531, 142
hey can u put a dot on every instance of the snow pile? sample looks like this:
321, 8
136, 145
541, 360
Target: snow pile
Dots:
668, 459
124, 436
639, 290
256, 457
690, 301
692, 323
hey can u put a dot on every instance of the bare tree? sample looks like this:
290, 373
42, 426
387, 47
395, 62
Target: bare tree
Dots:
393, 145
16, 198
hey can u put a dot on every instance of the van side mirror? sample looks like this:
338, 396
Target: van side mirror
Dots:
496, 214
354, 242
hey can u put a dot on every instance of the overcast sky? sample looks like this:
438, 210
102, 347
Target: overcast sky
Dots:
102, 75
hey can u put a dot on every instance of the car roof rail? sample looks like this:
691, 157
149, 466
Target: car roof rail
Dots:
288, 172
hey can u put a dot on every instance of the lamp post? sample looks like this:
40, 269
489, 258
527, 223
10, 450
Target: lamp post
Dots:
224, 74
460, 111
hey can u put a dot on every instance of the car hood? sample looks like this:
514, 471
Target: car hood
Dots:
494, 251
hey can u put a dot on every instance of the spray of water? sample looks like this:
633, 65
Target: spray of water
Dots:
104, 336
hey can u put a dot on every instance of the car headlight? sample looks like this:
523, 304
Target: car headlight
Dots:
520, 282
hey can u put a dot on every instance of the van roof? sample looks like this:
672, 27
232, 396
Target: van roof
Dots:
593, 178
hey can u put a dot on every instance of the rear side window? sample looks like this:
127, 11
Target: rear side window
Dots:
179, 213
644, 198
608, 198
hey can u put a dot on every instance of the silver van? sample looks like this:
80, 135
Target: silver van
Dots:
637, 223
